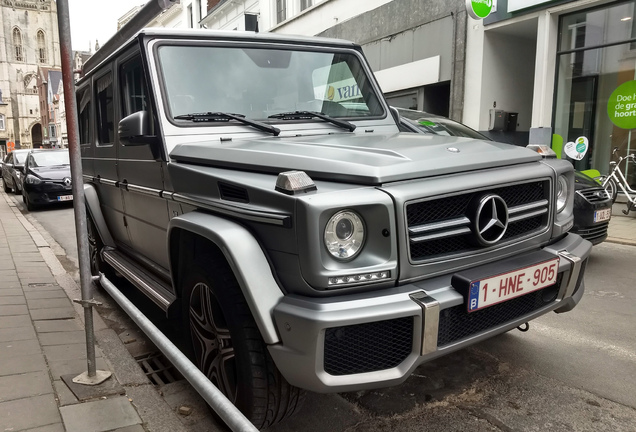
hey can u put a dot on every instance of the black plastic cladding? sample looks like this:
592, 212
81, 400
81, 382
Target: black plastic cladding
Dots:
368, 347
456, 323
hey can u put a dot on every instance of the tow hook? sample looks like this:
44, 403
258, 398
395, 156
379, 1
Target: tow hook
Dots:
524, 327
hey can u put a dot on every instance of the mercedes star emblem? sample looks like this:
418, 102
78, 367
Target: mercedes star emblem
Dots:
67, 181
490, 220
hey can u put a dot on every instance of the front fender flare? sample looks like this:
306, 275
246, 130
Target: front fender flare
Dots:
247, 260
95, 210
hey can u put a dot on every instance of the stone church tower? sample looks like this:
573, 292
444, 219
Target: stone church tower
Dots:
28, 40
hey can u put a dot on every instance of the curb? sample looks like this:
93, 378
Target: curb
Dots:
156, 414
621, 241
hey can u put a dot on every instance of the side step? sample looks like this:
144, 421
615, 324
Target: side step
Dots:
155, 289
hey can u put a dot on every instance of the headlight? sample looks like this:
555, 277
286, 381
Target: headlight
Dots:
562, 193
344, 235
30, 179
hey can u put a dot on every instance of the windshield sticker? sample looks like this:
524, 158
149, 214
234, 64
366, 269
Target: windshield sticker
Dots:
426, 123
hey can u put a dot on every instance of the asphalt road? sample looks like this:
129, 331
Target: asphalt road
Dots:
570, 372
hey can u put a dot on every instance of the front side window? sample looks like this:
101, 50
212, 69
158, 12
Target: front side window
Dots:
259, 82
17, 45
84, 110
133, 87
105, 110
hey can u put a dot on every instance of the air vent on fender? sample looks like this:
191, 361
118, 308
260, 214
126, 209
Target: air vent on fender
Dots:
233, 193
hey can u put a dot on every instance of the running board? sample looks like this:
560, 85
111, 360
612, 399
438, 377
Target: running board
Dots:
153, 288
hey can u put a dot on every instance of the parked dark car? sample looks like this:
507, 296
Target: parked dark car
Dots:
47, 178
592, 205
13, 171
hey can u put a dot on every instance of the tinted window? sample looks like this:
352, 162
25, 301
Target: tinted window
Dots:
133, 87
84, 109
105, 110
19, 158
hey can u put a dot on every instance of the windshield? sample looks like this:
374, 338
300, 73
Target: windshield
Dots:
259, 82
46, 158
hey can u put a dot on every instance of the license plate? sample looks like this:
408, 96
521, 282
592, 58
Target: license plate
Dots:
506, 286
65, 198
602, 215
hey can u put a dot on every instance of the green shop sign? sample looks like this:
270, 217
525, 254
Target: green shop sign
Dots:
479, 9
621, 106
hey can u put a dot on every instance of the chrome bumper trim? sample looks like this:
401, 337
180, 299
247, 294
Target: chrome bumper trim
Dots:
568, 288
430, 321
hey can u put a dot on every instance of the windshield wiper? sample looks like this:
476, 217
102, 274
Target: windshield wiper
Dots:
221, 116
297, 115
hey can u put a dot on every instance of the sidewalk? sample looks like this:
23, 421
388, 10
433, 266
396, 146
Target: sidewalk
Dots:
622, 229
42, 340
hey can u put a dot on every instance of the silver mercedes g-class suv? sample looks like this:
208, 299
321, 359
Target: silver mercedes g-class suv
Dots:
257, 189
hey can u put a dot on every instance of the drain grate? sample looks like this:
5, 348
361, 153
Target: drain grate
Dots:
158, 369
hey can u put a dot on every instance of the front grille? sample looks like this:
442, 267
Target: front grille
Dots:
368, 347
592, 233
441, 227
456, 323
594, 195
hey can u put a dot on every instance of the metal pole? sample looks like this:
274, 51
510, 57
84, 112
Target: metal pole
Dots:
212, 395
92, 376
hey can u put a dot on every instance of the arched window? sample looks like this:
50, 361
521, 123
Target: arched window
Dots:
41, 47
17, 44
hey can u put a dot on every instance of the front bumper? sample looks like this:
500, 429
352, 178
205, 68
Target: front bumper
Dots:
47, 192
377, 339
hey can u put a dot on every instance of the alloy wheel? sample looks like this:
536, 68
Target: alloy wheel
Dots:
211, 340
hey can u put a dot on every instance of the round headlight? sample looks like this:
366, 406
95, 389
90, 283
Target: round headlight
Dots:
344, 235
562, 193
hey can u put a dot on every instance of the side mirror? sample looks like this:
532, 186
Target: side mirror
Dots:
134, 130
8, 165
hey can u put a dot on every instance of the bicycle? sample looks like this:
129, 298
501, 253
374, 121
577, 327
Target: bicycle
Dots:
617, 179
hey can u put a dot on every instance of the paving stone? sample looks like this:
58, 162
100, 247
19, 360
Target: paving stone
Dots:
53, 326
76, 366
19, 348
36, 280
135, 428
17, 334
40, 287
56, 427
105, 415
156, 412
12, 300
49, 303
29, 413
63, 338
10, 284
13, 310
15, 321
35, 295
64, 395
10, 292
22, 364
53, 313
68, 352
24, 385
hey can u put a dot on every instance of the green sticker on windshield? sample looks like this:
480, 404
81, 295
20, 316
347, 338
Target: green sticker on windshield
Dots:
426, 123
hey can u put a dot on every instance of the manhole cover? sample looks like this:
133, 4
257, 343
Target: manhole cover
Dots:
158, 369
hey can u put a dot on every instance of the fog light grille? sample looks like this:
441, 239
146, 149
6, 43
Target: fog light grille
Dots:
368, 347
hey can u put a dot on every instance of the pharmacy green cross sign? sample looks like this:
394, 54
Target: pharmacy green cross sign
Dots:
479, 9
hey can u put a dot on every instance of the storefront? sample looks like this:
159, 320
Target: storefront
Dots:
596, 54
558, 64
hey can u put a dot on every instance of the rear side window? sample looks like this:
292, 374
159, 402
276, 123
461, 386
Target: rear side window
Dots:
133, 87
84, 110
105, 110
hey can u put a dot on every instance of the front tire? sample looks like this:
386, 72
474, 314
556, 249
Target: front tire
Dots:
611, 188
227, 346
6, 188
29, 205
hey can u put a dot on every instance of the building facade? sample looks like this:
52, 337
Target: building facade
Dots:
28, 40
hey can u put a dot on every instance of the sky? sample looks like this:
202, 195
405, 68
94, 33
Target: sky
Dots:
92, 20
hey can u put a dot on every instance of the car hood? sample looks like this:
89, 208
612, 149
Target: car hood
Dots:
51, 173
581, 181
357, 158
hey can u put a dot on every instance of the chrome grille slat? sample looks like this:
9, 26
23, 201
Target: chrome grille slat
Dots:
592, 195
441, 227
